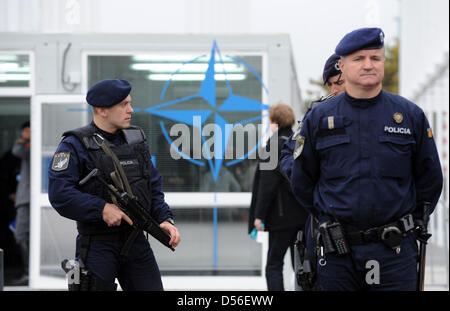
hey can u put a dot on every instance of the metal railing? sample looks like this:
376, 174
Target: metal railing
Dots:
433, 97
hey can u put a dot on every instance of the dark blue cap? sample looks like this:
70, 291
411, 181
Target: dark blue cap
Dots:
360, 39
331, 68
107, 93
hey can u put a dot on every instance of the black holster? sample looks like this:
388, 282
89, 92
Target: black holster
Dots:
78, 275
305, 266
88, 282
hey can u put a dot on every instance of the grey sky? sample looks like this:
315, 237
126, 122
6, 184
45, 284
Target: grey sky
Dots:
316, 27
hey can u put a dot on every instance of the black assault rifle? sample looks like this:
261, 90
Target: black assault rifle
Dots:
142, 220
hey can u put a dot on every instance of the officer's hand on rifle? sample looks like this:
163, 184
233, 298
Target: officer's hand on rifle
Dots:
173, 231
113, 215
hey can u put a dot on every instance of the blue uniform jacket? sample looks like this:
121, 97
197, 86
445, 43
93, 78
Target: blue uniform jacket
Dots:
366, 161
286, 158
73, 204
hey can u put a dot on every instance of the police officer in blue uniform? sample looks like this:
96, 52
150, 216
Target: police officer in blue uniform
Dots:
368, 163
332, 77
102, 226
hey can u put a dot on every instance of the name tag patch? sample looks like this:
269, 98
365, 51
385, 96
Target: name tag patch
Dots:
60, 161
397, 130
129, 162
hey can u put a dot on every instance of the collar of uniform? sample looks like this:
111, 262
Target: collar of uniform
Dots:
285, 131
115, 138
362, 102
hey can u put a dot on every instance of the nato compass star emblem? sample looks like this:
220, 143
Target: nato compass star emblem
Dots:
216, 112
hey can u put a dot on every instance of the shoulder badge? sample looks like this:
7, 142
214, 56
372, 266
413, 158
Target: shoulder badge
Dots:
297, 130
300, 142
60, 161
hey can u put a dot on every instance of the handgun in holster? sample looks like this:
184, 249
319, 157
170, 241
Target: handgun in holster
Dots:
79, 278
304, 272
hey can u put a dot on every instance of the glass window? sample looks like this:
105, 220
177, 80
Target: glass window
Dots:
208, 247
57, 118
14, 111
177, 99
174, 89
14, 70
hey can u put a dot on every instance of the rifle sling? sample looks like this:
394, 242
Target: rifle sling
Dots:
120, 180
118, 169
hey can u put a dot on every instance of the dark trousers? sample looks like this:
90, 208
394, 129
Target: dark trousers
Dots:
279, 242
355, 271
22, 234
138, 271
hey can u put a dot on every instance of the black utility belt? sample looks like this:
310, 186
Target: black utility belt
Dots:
334, 239
400, 227
391, 234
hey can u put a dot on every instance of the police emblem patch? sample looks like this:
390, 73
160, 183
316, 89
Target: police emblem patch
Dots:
297, 130
300, 142
398, 117
60, 161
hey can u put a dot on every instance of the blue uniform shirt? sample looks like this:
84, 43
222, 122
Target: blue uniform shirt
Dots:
367, 161
73, 204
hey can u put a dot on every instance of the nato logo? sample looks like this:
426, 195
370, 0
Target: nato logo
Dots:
185, 113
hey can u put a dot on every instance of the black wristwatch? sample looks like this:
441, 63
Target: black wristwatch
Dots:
170, 220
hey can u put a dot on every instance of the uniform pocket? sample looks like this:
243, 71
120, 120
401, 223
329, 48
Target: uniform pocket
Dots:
401, 145
396, 169
334, 173
331, 141
395, 157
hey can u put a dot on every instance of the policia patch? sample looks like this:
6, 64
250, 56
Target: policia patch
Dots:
60, 161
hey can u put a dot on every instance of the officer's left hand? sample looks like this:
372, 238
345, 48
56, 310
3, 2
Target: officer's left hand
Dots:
173, 231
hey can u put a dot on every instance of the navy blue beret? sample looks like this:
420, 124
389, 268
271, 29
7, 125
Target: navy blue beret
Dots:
107, 93
360, 39
331, 68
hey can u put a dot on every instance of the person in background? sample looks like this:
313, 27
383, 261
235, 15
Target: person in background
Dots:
273, 202
21, 149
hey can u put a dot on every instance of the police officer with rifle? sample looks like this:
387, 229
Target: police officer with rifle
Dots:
102, 177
